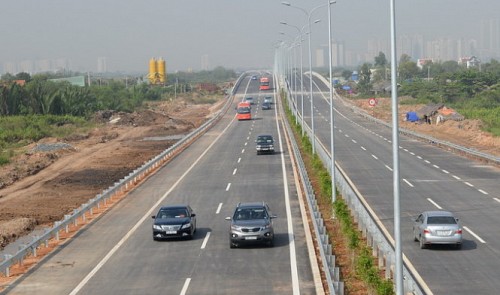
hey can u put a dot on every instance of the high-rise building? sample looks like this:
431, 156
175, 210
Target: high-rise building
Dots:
205, 64
490, 38
320, 58
101, 64
338, 53
27, 66
10, 67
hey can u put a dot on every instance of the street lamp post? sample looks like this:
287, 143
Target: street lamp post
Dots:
332, 141
395, 157
308, 14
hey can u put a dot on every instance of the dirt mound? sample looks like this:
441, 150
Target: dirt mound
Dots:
467, 133
51, 177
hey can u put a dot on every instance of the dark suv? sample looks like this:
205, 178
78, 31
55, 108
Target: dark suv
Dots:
251, 223
264, 144
175, 221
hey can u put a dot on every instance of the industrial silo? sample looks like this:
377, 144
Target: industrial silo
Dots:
153, 70
161, 67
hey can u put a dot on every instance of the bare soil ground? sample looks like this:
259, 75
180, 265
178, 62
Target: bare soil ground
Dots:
39, 187
466, 133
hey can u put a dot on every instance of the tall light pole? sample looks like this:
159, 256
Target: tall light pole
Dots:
332, 141
395, 157
301, 34
299, 39
308, 14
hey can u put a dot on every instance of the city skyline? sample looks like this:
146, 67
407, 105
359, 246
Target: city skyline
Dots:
233, 34
417, 47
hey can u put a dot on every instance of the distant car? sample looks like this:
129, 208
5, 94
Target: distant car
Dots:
264, 144
266, 106
268, 99
249, 100
437, 227
251, 223
175, 221
254, 77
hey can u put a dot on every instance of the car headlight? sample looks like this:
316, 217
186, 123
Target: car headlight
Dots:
158, 227
187, 225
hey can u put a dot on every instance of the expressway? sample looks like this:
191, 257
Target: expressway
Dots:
117, 255
431, 179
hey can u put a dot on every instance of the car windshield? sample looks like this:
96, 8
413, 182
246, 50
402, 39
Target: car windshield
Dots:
441, 220
172, 213
265, 139
250, 213
243, 110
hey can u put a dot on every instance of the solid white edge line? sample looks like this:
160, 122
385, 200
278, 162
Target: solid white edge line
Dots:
291, 238
185, 287
146, 216
205, 241
497, 199
475, 236
434, 203
228, 186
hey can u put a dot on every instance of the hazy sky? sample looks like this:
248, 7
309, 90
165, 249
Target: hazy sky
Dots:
233, 33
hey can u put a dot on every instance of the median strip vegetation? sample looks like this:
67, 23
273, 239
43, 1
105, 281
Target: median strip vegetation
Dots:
358, 267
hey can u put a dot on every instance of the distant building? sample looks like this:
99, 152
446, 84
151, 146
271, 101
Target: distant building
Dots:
102, 66
421, 62
320, 58
470, 62
205, 63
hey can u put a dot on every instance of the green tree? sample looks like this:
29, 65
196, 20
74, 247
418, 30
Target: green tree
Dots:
364, 84
380, 60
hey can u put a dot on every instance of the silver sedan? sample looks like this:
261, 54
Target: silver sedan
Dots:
437, 227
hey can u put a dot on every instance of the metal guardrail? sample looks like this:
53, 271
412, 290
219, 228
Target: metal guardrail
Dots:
331, 272
119, 187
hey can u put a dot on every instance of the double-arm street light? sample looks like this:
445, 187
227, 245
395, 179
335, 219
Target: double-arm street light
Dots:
330, 86
299, 37
313, 139
308, 14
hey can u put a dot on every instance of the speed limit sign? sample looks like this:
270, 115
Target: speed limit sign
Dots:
372, 102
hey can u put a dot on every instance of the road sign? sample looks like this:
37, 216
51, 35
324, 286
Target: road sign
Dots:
372, 102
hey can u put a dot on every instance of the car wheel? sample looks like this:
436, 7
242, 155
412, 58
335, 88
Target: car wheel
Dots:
458, 246
232, 245
415, 239
422, 244
270, 244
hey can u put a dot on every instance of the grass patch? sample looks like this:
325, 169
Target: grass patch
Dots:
18, 131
